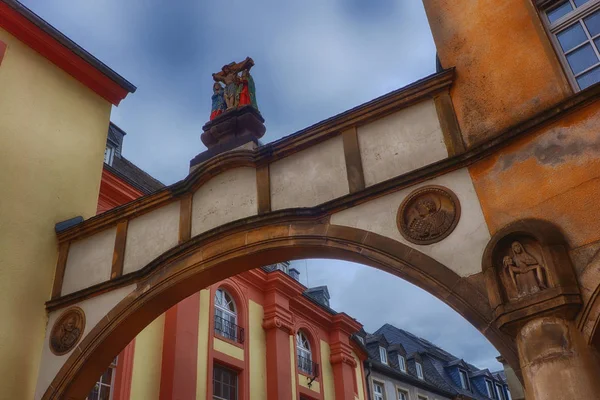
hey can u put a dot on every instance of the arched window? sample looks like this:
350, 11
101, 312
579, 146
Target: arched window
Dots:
305, 363
225, 315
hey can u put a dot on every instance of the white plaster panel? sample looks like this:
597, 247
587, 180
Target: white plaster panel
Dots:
225, 198
95, 309
89, 261
461, 251
150, 235
406, 140
309, 177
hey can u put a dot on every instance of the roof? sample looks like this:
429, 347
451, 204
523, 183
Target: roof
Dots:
134, 175
38, 34
438, 364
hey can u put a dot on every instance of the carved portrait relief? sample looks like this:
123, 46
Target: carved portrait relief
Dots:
523, 271
428, 215
67, 331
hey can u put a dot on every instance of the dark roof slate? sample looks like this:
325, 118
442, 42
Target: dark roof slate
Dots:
134, 175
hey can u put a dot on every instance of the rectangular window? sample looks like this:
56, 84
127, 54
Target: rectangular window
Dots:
464, 380
109, 153
105, 385
383, 355
377, 391
575, 29
225, 383
419, 368
402, 394
490, 389
401, 363
500, 392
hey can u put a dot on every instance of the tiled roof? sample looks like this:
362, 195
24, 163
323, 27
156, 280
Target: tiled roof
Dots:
134, 175
438, 364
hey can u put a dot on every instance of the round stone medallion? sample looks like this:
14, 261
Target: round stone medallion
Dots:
428, 214
67, 331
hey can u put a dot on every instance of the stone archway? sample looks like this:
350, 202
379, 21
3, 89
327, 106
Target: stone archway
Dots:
206, 260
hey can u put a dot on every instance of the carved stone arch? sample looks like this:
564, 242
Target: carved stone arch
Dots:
528, 271
207, 259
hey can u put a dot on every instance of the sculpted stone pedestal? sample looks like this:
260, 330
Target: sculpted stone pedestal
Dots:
236, 128
534, 292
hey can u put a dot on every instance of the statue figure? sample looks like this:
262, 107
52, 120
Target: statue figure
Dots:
246, 90
229, 76
218, 101
430, 221
525, 272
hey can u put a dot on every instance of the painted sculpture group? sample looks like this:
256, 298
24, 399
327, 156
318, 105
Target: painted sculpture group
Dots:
239, 90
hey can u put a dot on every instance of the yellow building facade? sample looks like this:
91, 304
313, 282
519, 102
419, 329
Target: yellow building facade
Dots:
52, 118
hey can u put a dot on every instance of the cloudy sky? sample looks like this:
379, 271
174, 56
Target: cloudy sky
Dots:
314, 58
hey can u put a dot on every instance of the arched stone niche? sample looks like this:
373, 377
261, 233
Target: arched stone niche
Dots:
528, 274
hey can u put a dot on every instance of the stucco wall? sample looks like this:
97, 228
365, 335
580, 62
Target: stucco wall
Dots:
203, 340
145, 381
506, 68
553, 174
53, 137
258, 349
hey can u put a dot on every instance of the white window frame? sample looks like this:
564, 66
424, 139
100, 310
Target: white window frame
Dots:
401, 363
226, 309
499, 391
303, 350
419, 368
381, 394
404, 392
383, 355
566, 21
489, 386
109, 154
100, 384
464, 379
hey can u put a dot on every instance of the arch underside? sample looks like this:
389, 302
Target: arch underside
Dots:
247, 244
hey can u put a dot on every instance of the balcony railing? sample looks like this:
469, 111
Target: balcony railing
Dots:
229, 330
308, 366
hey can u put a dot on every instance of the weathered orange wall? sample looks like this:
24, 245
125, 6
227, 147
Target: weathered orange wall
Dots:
506, 68
553, 174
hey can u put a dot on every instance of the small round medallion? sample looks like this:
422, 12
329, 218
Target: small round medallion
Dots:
428, 215
67, 331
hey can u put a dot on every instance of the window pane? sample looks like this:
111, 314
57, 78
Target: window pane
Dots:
571, 37
579, 3
94, 393
589, 78
104, 393
559, 11
597, 42
106, 378
593, 23
582, 58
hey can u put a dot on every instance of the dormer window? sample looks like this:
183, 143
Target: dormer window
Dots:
109, 153
490, 389
401, 363
383, 355
419, 369
500, 392
360, 339
464, 379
